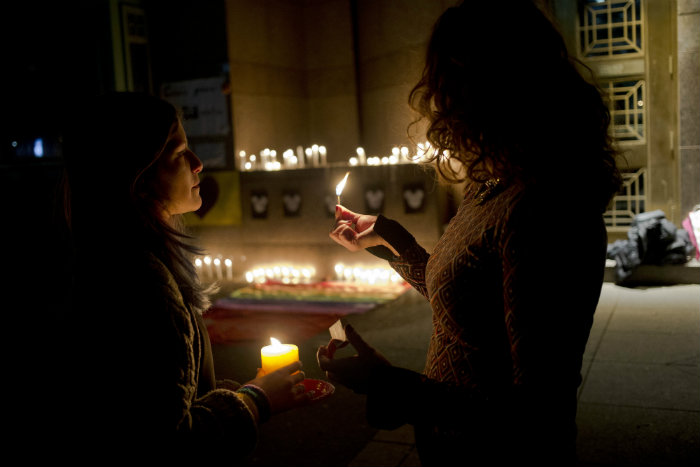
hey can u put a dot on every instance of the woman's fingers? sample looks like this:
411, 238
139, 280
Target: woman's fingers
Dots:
345, 236
346, 214
357, 341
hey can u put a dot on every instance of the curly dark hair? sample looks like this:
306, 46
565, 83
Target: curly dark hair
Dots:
502, 96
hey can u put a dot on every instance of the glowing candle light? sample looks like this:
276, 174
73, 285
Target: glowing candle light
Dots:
217, 265
322, 151
404, 152
314, 153
339, 187
229, 269
277, 355
207, 261
361, 155
300, 156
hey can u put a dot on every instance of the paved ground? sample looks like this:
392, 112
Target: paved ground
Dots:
639, 404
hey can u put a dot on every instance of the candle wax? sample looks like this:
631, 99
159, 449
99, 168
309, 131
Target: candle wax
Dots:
278, 355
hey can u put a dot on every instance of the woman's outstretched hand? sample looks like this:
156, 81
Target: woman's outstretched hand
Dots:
356, 231
284, 387
354, 371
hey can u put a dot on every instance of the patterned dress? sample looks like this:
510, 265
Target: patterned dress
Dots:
513, 284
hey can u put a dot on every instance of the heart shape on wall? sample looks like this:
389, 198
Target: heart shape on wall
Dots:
258, 204
413, 197
292, 203
209, 191
374, 197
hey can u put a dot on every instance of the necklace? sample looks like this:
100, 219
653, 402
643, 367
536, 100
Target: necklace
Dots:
488, 189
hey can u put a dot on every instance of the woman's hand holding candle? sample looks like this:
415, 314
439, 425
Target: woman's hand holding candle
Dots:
356, 231
284, 387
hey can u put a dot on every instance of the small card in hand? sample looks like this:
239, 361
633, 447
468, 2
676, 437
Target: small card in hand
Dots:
338, 331
338, 338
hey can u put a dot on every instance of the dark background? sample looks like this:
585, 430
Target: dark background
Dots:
54, 53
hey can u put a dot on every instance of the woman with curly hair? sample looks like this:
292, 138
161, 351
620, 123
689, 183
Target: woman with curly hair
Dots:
515, 279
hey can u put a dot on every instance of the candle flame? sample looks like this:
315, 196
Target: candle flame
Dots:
341, 185
275, 342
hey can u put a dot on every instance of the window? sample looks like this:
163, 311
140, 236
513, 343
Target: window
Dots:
610, 27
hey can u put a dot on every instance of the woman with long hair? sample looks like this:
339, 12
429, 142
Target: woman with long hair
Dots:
135, 369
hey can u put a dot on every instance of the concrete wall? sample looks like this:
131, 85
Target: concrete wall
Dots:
330, 72
689, 102
392, 37
292, 68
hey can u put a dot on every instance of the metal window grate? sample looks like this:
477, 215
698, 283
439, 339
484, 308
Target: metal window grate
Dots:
609, 28
629, 202
626, 103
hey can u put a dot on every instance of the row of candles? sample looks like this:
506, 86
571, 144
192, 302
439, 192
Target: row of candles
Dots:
211, 268
288, 274
222, 269
314, 156
317, 156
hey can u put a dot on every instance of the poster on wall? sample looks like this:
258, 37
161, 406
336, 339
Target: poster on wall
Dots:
221, 200
205, 116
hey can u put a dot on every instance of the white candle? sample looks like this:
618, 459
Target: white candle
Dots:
207, 261
361, 156
404, 152
300, 156
229, 269
314, 153
217, 264
322, 152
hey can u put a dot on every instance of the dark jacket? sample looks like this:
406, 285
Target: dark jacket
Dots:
136, 371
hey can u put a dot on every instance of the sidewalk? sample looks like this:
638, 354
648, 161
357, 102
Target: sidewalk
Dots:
639, 403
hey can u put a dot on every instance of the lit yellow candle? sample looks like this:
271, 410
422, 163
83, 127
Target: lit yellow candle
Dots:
278, 355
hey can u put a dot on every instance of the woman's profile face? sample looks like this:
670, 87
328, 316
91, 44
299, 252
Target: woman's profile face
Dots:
177, 175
